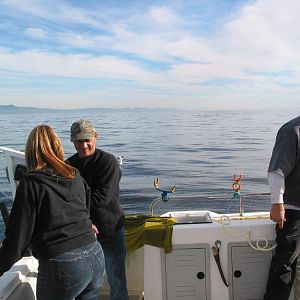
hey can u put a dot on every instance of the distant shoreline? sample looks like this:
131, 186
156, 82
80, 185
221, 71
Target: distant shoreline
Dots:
10, 109
13, 109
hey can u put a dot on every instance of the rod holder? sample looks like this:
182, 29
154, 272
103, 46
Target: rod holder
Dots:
241, 206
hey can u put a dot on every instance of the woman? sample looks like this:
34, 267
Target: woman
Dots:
51, 214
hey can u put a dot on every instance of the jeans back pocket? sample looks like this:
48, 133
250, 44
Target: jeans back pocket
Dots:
66, 271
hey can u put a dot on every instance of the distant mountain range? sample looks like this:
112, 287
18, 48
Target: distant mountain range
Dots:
11, 109
8, 109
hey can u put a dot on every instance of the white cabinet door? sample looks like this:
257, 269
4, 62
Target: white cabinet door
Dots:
187, 275
248, 270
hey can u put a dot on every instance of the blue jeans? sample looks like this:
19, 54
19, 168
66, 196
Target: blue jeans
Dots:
77, 274
115, 253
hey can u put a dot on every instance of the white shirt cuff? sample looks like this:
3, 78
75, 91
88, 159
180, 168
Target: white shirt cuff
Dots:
276, 185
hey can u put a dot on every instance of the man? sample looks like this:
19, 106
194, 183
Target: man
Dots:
102, 173
284, 183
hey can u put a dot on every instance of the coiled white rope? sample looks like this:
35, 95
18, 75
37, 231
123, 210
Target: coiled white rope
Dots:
225, 221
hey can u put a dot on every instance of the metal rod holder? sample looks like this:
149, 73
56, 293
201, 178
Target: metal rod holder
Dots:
241, 206
153, 203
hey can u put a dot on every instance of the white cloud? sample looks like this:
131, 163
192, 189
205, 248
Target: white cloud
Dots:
54, 11
70, 65
36, 32
265, 34
163, 16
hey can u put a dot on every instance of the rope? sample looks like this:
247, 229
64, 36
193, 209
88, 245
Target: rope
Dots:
225, 221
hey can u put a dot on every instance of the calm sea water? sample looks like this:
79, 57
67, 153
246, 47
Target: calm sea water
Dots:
197, 151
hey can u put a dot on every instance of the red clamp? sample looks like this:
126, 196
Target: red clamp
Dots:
236, 185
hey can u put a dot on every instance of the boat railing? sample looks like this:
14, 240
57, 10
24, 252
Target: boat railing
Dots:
248, 195
242, 198
3, 207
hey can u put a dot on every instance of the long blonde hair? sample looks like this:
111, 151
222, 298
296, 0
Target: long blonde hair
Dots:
44, 150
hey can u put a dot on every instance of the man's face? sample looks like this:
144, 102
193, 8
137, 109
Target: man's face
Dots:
85, 147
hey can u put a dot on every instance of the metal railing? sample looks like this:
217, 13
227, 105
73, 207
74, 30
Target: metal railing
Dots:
248, 195
242, 198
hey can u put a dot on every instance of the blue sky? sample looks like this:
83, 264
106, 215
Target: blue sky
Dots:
186, 54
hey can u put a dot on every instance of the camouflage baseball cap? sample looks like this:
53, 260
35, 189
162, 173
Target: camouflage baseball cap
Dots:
82, 130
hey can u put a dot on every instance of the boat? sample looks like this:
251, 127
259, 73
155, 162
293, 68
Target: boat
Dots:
212, 256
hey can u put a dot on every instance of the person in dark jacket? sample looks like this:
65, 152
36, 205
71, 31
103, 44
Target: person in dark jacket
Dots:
284, 183
102, 173
51, 213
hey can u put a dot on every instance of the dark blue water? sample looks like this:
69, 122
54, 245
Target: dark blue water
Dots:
197, 151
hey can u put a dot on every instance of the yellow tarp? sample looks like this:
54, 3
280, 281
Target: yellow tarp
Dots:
150, 230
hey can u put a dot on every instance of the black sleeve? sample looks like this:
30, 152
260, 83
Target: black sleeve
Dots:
88, 195
20, 227
285, 151
108, 178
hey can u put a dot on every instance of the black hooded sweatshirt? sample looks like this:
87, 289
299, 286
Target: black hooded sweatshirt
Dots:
51, 214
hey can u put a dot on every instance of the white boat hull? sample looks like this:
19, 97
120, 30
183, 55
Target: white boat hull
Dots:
190, 270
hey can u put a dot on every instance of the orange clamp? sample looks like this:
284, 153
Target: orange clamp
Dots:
236, 185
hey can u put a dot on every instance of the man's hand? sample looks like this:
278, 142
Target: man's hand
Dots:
277, 214
95, 230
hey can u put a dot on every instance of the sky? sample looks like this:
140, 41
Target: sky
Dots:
182, 54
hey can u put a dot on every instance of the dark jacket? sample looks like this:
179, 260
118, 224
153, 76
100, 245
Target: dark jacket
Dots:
102, 173
49, 212
286, 160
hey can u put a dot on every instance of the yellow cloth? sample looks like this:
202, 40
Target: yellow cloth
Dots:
150, 230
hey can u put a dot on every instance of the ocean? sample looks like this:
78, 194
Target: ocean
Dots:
197, 151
